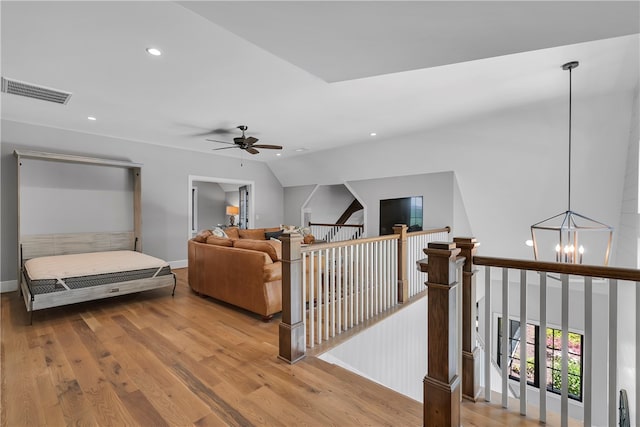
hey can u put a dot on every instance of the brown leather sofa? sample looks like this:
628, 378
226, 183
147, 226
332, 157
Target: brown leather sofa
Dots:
243, 270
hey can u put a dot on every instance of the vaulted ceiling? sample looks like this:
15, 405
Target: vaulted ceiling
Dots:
305, 75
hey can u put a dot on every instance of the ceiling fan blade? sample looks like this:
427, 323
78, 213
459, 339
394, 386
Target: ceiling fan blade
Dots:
251, 140
252, 150
268, 146
221, 142
239, 140
224, 148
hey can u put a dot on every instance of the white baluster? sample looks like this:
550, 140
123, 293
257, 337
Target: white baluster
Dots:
564, 399
587, 350
505, 336
613, 351
487, 334
542, 347
523, 342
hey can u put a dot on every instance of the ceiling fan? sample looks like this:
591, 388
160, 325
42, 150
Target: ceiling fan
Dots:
245, 143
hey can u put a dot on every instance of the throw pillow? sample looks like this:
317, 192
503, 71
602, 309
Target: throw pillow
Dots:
273, 234
201, 237
219, 232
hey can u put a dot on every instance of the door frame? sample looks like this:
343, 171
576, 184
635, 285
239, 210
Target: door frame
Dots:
199, 178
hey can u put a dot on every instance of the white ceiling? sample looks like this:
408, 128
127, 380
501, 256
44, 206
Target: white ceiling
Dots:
311, 75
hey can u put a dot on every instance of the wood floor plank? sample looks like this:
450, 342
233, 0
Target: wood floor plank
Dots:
170, 397
74, 405
92, 378
151, 359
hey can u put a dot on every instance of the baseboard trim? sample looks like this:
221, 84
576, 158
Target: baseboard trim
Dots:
8, 286
179, 264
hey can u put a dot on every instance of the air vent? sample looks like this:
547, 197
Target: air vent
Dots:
29, 90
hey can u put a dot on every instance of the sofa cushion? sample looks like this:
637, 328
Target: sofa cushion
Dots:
252, 233
201, 237
219, 241
273, 248
232, 232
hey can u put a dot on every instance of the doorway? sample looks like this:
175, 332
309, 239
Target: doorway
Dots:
208, 198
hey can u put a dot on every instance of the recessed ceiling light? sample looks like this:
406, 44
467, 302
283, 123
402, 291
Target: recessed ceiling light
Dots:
373, 134
153, 51
91, 118
301, 149
278, 154
528, 242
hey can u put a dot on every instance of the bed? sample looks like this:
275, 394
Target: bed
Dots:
66, 268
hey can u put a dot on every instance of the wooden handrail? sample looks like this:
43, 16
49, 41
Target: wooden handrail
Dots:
446, 229
319, 246
336, 225
555, 267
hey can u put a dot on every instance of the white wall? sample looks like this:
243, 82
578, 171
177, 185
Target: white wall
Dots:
294, 198
510, 165
436, 191
328, 203
165, 185
628, 236
211, 205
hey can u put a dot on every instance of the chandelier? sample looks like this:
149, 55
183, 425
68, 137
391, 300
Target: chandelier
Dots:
570, 237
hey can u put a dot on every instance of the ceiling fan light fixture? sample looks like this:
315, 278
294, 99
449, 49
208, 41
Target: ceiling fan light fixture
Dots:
246, 143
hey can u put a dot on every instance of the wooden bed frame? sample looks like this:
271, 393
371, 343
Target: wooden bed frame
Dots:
32, 246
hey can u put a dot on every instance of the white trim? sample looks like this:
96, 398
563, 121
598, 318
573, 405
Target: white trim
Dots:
365, 221
8, 286
305, 203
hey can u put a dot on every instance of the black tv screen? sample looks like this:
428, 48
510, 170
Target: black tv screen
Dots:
406, 210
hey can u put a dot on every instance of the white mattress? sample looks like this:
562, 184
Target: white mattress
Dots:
88, 264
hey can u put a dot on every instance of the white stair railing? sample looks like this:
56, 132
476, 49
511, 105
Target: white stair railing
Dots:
416, 242
346, 283
336, 232
536, 286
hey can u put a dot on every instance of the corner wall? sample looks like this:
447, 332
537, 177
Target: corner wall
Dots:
628, 252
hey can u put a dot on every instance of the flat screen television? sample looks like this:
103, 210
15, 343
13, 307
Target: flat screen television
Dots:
406, 210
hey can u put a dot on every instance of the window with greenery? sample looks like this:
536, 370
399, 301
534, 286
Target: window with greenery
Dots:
553, 357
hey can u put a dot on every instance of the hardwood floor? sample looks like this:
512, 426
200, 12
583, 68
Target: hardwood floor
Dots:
152, 360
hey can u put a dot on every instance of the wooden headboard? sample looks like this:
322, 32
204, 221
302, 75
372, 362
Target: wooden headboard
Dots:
37, 245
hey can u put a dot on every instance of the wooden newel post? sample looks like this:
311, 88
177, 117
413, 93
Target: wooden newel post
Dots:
470, 352
292, 333
403, 283
442, 383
